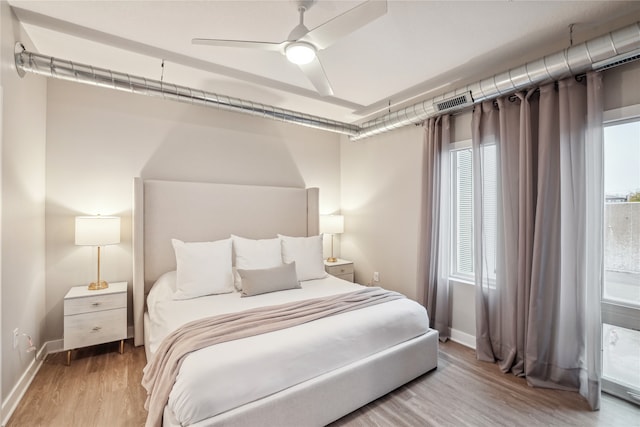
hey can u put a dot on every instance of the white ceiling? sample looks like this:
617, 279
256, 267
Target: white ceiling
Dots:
417, 50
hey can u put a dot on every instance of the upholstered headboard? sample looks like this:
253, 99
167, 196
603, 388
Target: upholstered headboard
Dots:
196, 211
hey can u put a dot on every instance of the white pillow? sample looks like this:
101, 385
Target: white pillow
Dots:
254, 254
163, 289
202, 268
306, 252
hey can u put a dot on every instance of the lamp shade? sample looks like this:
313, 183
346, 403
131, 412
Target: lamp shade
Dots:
332, 224
97, 230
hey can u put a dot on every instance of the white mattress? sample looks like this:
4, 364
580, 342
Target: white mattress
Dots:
225, 376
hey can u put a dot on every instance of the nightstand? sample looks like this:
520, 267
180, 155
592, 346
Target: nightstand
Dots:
341, 268
95, 317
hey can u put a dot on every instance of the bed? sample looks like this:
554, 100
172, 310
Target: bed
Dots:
304, 375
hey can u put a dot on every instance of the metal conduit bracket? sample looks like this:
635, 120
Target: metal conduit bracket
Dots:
18, 48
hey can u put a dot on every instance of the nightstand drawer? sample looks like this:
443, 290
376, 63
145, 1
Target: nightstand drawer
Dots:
338, 270
81, 330
93, 303
348, 277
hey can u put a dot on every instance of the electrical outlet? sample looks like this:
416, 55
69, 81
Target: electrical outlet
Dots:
376, 276
15, 338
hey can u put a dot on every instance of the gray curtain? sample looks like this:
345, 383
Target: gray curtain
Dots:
538, 206
433, 269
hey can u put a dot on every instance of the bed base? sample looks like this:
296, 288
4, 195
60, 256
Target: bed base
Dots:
326, 398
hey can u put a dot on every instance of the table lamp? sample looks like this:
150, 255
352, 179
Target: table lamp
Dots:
332, 224
97, 231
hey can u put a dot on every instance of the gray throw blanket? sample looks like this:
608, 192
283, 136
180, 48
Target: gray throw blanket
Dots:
161, 372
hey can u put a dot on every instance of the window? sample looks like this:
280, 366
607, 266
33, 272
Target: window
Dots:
621, 290
462, 212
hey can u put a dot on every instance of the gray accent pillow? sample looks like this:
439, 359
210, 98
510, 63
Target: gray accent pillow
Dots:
262, 281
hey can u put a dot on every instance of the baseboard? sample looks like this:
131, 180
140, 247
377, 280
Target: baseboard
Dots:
54, 346
463, 338
14, 397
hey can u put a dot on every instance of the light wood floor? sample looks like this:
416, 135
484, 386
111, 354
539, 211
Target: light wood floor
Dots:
102, 388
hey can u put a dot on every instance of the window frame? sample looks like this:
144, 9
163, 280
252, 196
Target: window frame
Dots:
613, 312
454, 273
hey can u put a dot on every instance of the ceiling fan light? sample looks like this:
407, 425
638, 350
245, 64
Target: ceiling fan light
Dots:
300, 53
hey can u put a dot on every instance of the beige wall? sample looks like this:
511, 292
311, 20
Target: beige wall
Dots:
99, 139
23, 123
381, 202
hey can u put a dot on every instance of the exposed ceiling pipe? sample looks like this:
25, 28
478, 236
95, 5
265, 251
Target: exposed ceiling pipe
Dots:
67, 70
598, 53
602, 52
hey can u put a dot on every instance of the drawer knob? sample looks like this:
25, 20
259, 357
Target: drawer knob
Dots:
96, 328
95, 304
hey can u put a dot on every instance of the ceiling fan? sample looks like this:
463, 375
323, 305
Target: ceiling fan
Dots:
302, 45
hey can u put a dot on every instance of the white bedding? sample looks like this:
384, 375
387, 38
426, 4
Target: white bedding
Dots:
222, 377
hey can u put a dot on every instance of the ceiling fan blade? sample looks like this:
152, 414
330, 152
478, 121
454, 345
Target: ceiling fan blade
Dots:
316, 75
327, 33
277, 47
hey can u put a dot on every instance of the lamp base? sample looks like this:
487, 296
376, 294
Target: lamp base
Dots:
97, 286
332, 259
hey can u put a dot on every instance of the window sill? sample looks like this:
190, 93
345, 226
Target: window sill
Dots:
461, 281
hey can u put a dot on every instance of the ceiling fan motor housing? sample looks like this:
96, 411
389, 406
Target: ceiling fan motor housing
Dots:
306, 4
